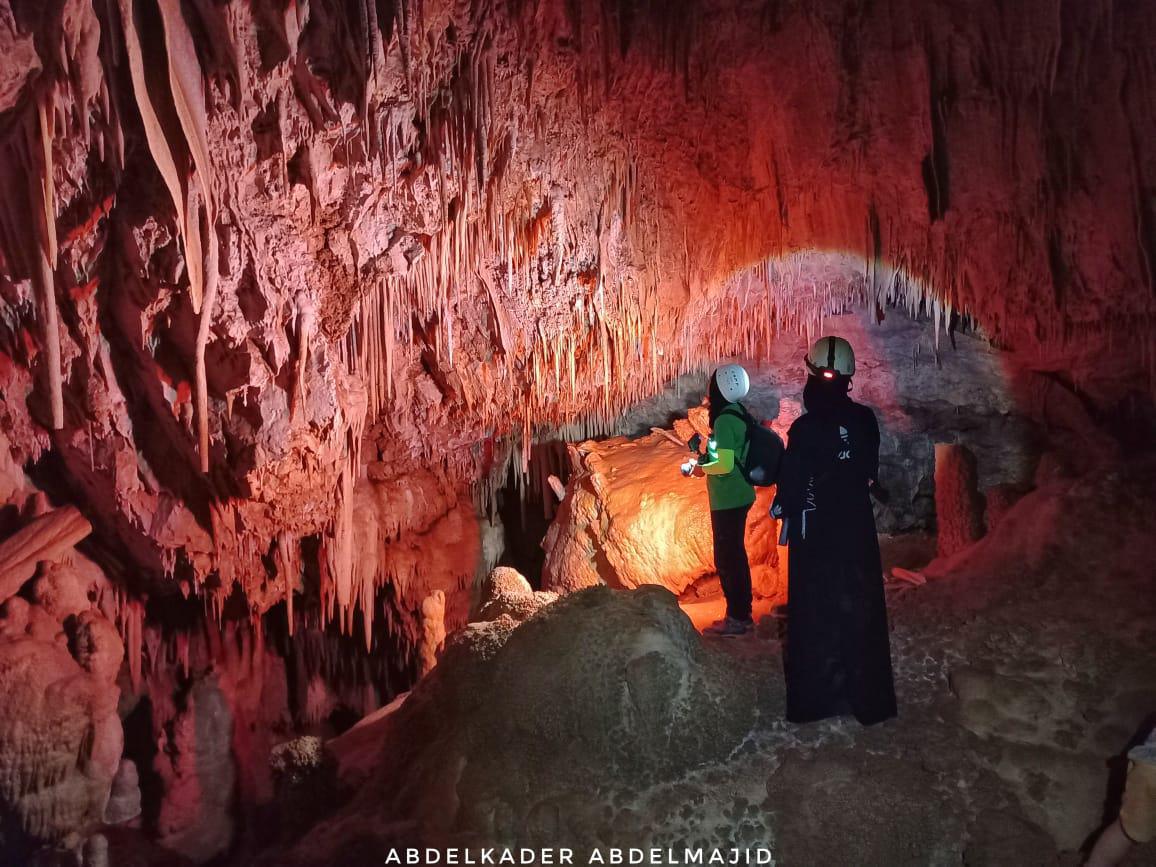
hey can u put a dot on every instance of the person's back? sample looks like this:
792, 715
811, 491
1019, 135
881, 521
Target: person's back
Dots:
730, 490
731, 496
833, 459
837, 654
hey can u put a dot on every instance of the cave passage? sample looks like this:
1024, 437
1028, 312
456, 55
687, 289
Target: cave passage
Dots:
351, 352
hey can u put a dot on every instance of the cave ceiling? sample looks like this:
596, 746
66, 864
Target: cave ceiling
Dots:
250, 249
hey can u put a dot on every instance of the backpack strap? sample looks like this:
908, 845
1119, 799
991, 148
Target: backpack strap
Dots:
745, 417
741, 412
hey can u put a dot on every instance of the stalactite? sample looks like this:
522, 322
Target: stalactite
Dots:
187, 85
160, 148
43, 194
134, 640
288, 563
306, 323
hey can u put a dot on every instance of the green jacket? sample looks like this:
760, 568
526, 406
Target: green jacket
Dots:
726, 486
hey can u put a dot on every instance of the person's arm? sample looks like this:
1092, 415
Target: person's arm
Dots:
728, 435
789, 491
868, 457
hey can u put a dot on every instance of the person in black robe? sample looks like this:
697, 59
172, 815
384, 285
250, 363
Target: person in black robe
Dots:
837, 656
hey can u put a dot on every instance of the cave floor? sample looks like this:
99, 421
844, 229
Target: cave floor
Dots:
1019, 695
1024, 670
704, 603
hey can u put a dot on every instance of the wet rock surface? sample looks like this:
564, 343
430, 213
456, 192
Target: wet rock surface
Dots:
630, 518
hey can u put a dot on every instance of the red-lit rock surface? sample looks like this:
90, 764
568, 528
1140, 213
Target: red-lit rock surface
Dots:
481, 222
630, 518
958, 507
60, 653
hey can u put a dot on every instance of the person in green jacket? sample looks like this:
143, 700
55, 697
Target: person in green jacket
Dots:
731, 496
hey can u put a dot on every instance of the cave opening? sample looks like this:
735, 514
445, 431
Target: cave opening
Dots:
527, 504
353, 360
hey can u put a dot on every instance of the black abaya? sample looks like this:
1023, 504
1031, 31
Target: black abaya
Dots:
837, 655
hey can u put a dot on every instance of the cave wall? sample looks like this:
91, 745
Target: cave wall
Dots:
453, 227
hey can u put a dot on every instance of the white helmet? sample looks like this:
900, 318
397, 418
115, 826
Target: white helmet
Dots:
831, 357
733, 382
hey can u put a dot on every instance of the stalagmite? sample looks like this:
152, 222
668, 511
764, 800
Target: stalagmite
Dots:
958, 505
433, 635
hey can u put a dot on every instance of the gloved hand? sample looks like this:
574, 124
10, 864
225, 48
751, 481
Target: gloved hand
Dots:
776, 509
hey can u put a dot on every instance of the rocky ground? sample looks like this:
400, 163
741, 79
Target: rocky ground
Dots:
1024, 667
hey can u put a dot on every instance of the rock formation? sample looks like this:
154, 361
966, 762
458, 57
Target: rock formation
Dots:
630, 518
958, 506
1009, 715
628, 696
60, 736
507, 593
257, 248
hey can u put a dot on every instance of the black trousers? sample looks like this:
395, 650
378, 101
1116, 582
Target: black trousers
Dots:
729, 529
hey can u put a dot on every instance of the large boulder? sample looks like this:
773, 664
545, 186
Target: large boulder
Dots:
630, 519
528, 739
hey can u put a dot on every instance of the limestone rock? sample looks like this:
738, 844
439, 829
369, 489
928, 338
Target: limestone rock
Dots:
812, 799
69, 586
603, 691
96, 851
507, 592
124, 803
998, 499
631, 519
433, 631
48, 537
195, 763
304, 779
958, 506
296, 761
96, 645
60, 736
997, 839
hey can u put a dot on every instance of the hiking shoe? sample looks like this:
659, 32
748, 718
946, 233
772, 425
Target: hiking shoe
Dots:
729, 628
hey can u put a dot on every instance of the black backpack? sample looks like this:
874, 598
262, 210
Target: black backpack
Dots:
764, 450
